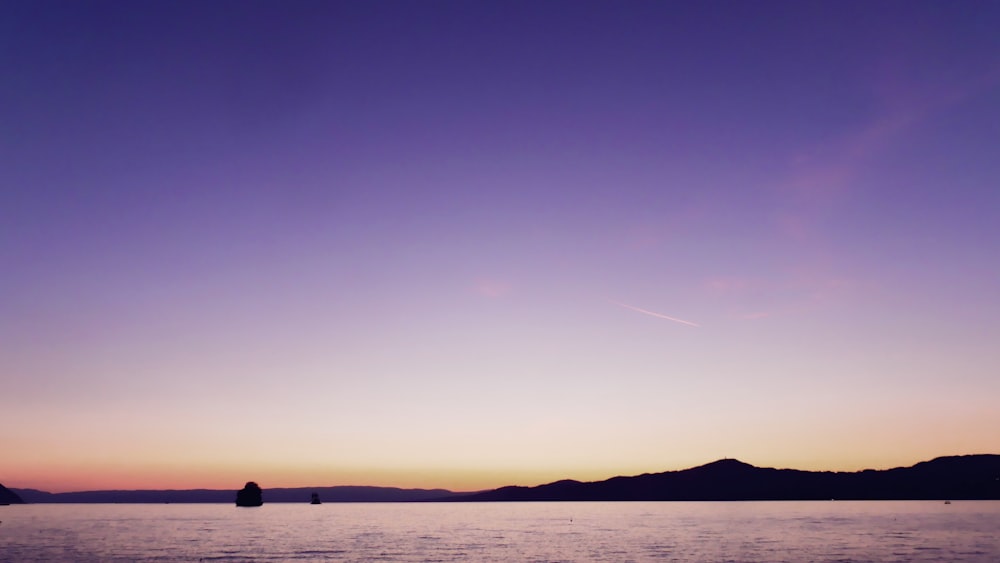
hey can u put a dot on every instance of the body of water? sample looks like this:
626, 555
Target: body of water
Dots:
571, 531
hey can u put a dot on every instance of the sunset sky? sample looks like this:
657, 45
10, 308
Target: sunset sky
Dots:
471, 244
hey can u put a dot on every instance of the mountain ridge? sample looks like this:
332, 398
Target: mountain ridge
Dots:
340, 493
975, 476
961, 477
8, 496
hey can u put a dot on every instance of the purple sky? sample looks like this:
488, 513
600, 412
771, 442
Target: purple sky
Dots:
447, 243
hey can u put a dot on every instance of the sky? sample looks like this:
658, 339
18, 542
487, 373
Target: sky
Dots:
473, 244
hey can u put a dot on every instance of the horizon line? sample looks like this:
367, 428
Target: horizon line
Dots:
498, 487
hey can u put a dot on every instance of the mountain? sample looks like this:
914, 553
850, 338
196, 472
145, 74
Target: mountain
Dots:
956, 477
301, 494
8, 496
358, 494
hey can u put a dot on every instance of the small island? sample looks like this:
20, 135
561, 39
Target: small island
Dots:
250, 495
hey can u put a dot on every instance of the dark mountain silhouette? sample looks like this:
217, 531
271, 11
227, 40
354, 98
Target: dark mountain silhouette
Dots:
957, 477
148, 496
8, 496
303, 494
358, 494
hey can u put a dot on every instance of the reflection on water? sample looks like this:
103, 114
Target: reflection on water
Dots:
582, 531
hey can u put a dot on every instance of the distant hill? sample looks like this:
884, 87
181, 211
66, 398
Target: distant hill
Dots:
957, 477
300, 494
8, 496
358, 494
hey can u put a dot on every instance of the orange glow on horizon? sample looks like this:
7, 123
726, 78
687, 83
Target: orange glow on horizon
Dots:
103, 477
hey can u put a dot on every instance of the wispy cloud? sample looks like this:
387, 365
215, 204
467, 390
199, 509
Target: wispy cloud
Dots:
491, 288
653, 313
807, 288
823, 175
729, 285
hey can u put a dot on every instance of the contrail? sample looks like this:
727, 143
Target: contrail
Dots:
654, 314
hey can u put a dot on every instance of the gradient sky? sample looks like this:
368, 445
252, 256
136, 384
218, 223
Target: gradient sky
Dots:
470, 244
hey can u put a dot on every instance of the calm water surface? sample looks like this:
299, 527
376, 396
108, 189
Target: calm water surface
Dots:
581, 531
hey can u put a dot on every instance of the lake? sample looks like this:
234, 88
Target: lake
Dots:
544, 531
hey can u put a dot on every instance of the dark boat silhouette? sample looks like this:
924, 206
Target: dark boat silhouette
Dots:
315, 499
